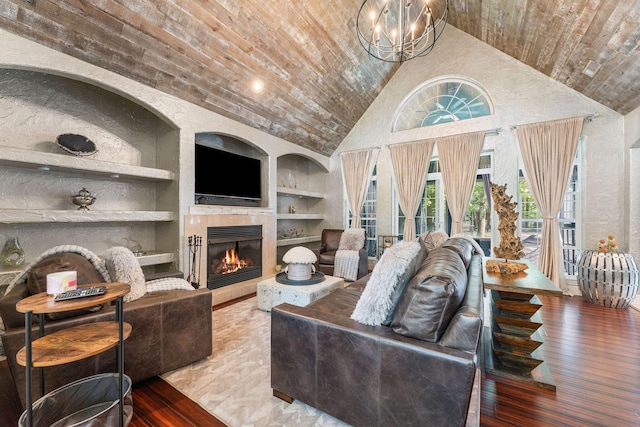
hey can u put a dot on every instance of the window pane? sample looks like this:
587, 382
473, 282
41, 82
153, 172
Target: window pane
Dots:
368, 216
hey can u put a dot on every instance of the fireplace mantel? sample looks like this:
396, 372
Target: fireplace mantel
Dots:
203, 216
228, 210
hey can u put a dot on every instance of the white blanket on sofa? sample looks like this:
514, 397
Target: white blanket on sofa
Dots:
346, 264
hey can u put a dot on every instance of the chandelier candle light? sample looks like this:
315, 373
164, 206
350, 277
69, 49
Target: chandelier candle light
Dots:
399, 30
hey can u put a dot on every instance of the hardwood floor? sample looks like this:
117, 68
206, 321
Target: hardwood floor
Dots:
156, 403
592, 352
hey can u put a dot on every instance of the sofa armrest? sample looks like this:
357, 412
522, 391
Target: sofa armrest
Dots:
320, 358
10, 316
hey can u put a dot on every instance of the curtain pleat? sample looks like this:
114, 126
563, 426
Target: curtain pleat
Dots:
459, 156
410, 168
547, 151
357, 167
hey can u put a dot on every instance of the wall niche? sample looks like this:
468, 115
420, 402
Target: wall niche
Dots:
127, 174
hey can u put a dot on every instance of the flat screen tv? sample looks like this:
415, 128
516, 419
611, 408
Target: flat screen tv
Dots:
222, 175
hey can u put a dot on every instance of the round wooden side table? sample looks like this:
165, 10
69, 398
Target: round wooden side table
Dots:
608, 279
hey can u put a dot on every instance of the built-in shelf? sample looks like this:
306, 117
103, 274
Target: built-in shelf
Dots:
294, 192
155, 258
29, 216
300, 216
298, 240
37, 160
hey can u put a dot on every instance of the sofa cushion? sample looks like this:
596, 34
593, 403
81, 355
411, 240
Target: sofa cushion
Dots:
389, 277
433, 239
168, 284
123, 267
352, 239
327, 257
66, 261
462, 247
432, 297
331, 239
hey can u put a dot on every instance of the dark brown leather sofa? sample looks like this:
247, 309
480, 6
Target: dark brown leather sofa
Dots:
170, 329
329, 243
370, 375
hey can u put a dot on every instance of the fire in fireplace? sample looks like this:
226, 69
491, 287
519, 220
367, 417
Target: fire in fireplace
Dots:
230, 262
234, 254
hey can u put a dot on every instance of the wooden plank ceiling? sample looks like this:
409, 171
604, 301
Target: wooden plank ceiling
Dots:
318, 80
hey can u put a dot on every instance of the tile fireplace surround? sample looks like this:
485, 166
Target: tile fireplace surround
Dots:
203, 216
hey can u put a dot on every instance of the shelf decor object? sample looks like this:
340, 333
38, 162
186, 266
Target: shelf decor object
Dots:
77, 145
399, 30
609, 279
83, 199
12, 253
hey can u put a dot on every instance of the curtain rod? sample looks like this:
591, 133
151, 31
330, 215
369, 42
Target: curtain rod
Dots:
588, 118
360, 149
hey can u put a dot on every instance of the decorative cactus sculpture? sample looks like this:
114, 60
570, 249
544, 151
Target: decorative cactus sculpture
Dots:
510, 245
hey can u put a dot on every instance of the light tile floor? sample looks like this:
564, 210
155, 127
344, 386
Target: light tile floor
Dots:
234, 383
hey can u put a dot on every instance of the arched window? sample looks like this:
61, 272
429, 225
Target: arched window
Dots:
441, 101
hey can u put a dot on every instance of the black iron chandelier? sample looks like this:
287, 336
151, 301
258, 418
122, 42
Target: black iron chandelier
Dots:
399, 30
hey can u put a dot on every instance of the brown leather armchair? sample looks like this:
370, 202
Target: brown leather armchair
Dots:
330, 240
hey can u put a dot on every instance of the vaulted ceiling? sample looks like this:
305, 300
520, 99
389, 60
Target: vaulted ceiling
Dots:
318, 80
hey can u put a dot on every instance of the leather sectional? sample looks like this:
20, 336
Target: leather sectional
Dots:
381, 375
170, 329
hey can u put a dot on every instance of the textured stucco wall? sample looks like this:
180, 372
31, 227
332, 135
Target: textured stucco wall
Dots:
520, 95
632, 137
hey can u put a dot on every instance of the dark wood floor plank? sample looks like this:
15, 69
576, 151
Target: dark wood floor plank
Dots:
592, 353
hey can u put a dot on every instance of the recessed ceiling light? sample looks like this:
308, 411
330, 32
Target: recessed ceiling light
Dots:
257, 86
591, 69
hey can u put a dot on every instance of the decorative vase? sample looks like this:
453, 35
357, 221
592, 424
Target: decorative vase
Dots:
12, 253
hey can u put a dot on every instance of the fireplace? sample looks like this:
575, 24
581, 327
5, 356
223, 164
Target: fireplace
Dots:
234, 254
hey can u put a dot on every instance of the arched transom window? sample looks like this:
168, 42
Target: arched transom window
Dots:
442, 101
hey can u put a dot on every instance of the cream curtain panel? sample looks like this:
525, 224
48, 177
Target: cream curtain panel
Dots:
547, 151
410, 168
357, 167
459, 156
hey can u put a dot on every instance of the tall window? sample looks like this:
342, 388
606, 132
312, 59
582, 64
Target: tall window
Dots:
433, 213
368, 216
570, 218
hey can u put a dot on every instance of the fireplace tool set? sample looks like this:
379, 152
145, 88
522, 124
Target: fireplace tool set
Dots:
195, 243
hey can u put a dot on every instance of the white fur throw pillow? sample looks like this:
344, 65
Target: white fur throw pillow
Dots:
396, 267
123, 267
168, 284
352, 239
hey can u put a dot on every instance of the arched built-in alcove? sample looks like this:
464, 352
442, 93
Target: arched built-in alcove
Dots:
136, 161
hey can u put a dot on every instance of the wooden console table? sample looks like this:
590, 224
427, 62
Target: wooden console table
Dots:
513, 341
74, 343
